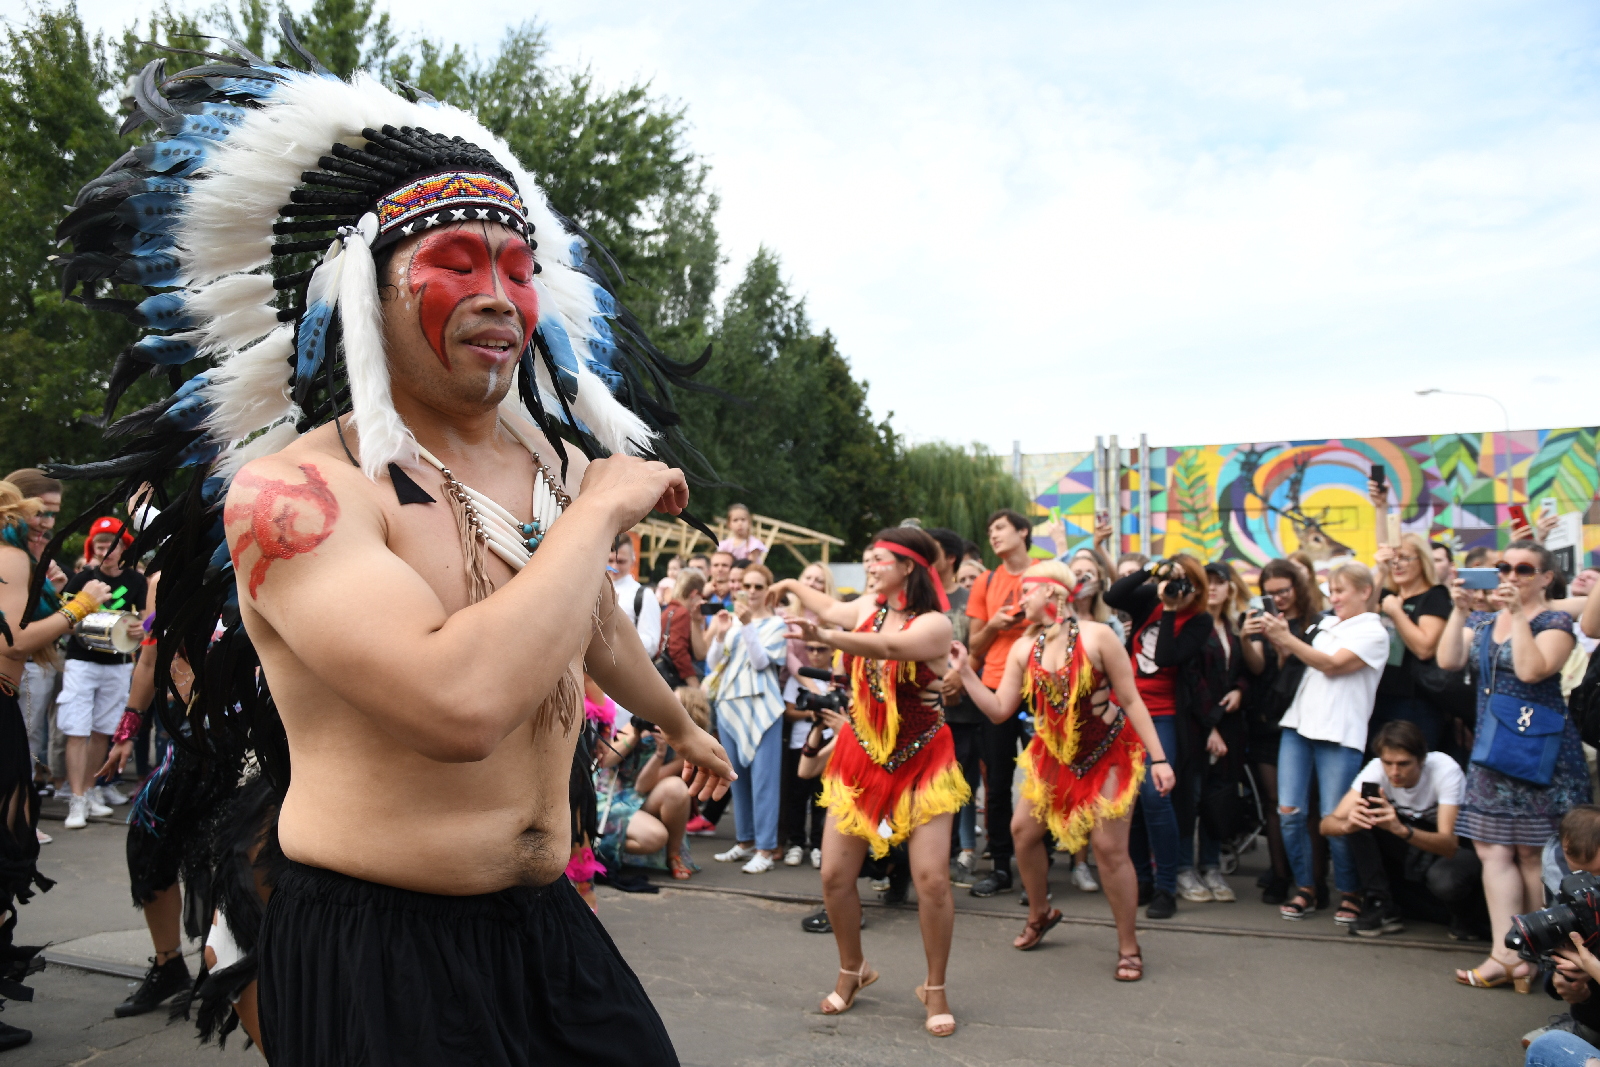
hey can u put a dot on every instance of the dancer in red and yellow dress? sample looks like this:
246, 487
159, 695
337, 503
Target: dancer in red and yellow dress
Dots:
1083, 767
894, 776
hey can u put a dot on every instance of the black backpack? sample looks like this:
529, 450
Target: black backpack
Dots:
1584, 704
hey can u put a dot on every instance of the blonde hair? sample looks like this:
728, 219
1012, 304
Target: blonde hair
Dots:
1062, 598
694, 701
827, 576
14, 507
1424, 552
1239, 595
689, 580
1353, 572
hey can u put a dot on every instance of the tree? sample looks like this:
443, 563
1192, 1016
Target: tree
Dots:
801, 445
960, 488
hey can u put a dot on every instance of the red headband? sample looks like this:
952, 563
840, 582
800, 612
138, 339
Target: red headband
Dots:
1051, 581
917, 558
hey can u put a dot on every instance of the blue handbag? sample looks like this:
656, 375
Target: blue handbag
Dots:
1518, 738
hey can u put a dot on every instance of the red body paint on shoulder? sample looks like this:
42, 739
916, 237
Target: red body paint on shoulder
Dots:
454, 266
279, 518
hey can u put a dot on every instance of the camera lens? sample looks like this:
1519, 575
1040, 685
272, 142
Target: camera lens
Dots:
1541, 932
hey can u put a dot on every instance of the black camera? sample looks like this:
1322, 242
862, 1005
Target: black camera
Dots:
1577, 908
832, 700
1166, 570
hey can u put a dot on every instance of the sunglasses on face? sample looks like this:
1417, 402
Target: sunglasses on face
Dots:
818, 650
1280, 594
1521, 570
46, 514
754, 587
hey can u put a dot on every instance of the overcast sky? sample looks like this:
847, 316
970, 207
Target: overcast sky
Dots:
1208, 222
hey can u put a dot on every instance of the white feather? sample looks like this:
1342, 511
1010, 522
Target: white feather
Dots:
235, 311
274, 440
384, 436
250, 389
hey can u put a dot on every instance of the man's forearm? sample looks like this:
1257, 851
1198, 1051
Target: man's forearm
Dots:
621, 668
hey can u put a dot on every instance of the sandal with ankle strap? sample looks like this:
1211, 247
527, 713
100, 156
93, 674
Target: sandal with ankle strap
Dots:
1129, 961
834, 1004
940, 1020
1033, 932
1297, 907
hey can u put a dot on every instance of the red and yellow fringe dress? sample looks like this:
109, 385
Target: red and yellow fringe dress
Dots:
1074, 750
894, 765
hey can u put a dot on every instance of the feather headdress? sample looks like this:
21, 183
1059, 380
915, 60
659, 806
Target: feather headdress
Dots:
259, 168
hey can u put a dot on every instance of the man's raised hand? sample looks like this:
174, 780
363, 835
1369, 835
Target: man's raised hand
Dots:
633, 487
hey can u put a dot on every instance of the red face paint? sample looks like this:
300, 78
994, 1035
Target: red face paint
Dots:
457, 266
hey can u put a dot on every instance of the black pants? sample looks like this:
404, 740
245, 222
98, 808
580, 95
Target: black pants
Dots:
968, 737
1002, 742
798, 809
358, 973
1448, 891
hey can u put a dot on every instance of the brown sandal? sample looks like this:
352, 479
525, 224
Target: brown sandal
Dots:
1033, 933
1130, 962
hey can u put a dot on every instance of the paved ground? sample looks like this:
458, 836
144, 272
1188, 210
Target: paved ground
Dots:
737, 982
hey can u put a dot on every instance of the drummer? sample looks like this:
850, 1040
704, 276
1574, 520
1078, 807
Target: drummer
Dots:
94, 685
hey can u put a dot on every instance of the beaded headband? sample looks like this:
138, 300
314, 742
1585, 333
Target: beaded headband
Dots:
450, 196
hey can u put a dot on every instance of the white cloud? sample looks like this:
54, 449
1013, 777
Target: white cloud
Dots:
1206, 222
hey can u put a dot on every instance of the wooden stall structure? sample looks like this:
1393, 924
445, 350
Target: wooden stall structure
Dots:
660, 537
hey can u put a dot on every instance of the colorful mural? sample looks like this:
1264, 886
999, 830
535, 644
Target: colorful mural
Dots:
1259, 501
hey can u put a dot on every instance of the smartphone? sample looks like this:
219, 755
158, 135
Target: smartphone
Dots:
1478, 577
1268, 605
1370, 791
1519, 516
709, 609
1547, 506
1380, 475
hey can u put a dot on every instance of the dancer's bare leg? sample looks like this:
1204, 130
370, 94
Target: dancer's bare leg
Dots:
163, 915
929, 848
841, 867
1033, 864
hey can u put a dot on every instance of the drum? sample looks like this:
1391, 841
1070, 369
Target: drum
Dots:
111, 631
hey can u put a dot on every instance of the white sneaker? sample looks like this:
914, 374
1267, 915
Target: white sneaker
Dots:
760, 863
1220, 890
97, 807
1083, 878
77, 813
816, 858
735, 854
1191, 888
110, 794
44, 838
794, 857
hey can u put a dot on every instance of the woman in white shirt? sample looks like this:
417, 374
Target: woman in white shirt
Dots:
1326, 728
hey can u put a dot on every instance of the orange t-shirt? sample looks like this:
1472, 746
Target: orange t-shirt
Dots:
990, 593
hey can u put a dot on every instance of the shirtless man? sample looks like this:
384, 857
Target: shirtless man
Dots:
421, 762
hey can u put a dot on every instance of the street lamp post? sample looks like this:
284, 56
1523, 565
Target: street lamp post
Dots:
1505, 441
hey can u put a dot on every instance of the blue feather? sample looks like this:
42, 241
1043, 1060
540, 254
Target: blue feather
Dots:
164, 311
560, 345
151, 212
311, 341
161, 268
175, 155
605, 303
250, 87
192, 386
161, 183
210, 127
211, 489
145, 244
200, 450
186, 414
221, 560
232, 114
576, 249
165, 351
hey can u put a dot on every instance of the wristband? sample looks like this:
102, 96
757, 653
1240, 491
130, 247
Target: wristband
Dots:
79, 607
811, 752
1411, 831
1156, 761
128, 728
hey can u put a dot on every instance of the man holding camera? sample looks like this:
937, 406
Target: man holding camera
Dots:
1575, 849
1400, 818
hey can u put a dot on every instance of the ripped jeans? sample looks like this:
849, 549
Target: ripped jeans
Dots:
1556, 1048
1336, 767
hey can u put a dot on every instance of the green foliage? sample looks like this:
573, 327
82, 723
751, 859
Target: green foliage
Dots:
1565, 469
960, 488
803, 446
1192, 496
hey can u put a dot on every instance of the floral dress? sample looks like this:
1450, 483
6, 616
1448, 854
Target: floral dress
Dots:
1500, 810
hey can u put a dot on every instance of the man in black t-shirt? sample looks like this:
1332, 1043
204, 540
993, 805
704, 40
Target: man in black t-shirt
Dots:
94, 684
962, 715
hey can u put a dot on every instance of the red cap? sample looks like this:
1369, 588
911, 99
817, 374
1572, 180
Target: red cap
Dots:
105, 524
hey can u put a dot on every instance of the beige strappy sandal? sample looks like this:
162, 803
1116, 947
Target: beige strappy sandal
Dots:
935, 1023
834, 1004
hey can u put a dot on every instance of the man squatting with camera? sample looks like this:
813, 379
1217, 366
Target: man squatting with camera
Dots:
1573, 853
1400, 819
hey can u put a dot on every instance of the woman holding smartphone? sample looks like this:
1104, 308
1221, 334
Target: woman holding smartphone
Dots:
1518, 652
893, 776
